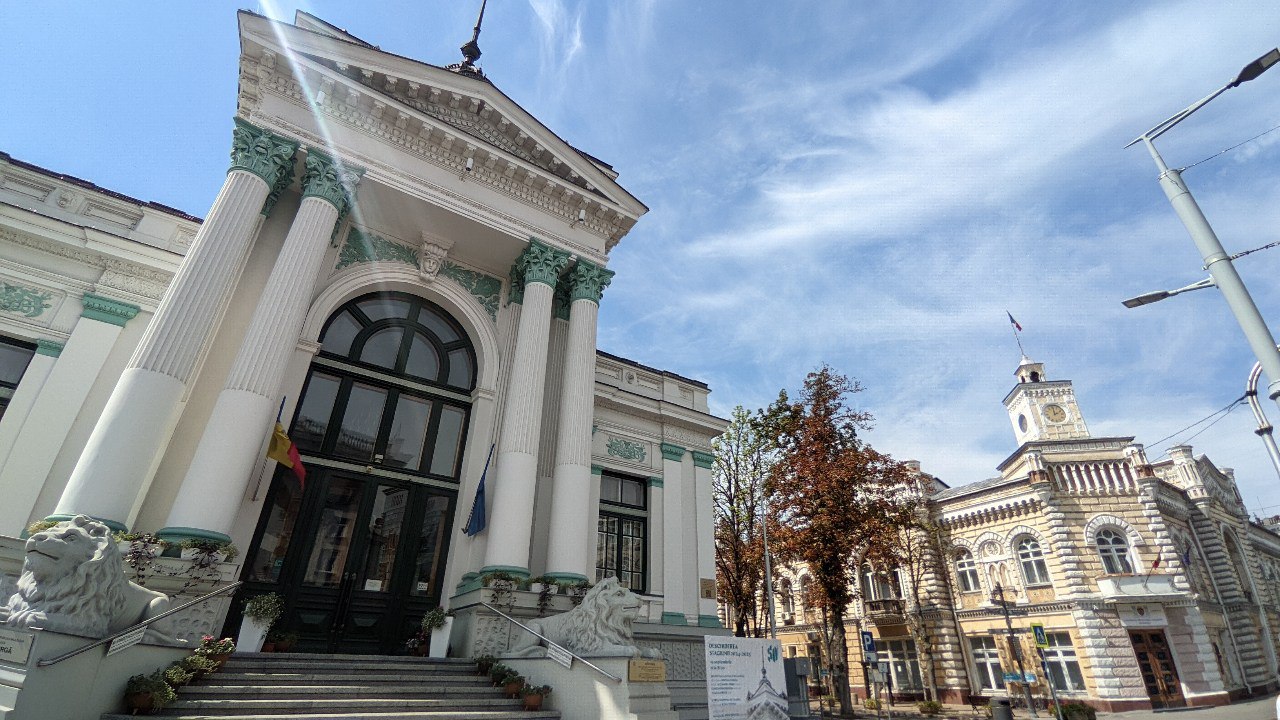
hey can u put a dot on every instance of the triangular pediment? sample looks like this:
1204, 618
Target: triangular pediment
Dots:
402, 99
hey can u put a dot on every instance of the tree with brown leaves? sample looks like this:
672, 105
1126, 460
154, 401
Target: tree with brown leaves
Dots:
830, 493
738, 477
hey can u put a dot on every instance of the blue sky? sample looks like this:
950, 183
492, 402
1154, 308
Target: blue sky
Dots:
867, 184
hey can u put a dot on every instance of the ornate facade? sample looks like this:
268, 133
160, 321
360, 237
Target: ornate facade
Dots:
1154, 587
405, 268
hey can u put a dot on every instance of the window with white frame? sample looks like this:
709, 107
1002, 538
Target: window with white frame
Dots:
904, 667
1031, 558
1064, 668
967, 571
986, 662
1113, 547
14, 357
788, 602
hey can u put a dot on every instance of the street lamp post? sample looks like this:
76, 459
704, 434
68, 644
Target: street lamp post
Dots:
1216, 260
997, 596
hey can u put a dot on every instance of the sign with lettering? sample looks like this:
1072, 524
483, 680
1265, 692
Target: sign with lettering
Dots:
868, 642
647, 671
15, 646
560, 655
126, 641
1142, 616
707, 588
737, 688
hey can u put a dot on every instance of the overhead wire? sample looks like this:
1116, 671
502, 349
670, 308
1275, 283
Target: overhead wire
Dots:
1223, 413
1227, 150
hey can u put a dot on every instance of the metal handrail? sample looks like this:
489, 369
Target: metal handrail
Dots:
97, 643
551, 643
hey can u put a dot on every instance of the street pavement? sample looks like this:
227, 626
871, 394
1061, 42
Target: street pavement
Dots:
1255, 709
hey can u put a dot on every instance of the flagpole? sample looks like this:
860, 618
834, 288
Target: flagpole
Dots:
1014, 328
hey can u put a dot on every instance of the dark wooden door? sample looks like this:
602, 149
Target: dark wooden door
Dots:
1155, 660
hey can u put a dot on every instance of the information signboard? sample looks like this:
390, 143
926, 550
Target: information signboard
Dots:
736, 689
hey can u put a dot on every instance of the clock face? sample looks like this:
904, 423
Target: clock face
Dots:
1055, 413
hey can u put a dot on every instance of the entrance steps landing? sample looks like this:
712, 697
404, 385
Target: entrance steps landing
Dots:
301, 686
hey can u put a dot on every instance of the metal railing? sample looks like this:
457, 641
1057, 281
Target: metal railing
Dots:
556, 645
134, 628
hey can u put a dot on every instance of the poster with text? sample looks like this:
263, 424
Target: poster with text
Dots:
745, 678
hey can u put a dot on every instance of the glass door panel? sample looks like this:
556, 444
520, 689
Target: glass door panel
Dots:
429, 561
282, 513
383, 529
334, 534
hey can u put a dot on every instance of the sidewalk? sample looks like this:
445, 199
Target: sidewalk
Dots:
1263, 708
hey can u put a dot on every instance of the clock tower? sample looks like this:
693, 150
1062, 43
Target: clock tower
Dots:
1043, 409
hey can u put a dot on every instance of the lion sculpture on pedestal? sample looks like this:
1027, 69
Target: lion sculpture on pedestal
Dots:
599, 627
73, 582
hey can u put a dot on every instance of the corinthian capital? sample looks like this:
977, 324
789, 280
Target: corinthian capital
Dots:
330, 180
588, 281
541, 263
257, 151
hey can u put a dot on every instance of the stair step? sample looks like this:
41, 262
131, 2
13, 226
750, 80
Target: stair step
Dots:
309, 677
366, 690
246, 706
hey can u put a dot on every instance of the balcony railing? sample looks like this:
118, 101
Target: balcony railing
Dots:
1136, 587
883, 608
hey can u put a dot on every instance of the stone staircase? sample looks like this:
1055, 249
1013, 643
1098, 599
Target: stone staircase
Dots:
294, 686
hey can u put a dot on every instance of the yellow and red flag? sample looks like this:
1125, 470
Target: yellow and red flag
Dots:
283, 451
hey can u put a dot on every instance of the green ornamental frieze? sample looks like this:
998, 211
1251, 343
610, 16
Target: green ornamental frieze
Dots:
107, 310
625, 449
26, 301
363, 247
541, 263
329, 180
268, 156
588, 281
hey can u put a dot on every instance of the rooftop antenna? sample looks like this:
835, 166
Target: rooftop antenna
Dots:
471, 50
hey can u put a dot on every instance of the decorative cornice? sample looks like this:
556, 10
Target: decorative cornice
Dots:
262, 153
703, 460
22, 300
671, 452
120, 274
107, 310
655, 482
330, 180
49, 347
588, 281
541, 263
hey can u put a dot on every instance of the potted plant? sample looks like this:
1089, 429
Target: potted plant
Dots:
147, 693
260, 613
420, 642
198, 665
484, 663
216, 650
512, 684
177, 676
577, 591
545, 586
533, 695
929, 707
498, 673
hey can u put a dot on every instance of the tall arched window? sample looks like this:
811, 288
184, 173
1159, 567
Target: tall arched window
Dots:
967, 571
788, 601
806, 585
1031, 558
1113, 547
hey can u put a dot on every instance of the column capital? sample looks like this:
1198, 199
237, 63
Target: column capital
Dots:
52, 348
588, 281
330, 180
257, 151
703, 459
107, 310
655, 482
597, 470
671, 452
541, 263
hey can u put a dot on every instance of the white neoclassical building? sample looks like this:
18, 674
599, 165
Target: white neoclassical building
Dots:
406, 268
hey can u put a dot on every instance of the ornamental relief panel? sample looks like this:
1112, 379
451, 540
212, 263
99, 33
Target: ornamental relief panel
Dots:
29, 302
624, 449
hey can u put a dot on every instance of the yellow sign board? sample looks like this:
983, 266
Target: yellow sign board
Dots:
647, 671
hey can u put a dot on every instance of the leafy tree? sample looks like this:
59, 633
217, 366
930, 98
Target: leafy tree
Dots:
831, 493
738, 478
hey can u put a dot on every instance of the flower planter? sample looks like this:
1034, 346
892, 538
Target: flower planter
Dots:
439, 646
220, 658
512, 689
533, 702
140, 703
252, 633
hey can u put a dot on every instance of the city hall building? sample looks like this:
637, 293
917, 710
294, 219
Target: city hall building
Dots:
406, 268
1154, 587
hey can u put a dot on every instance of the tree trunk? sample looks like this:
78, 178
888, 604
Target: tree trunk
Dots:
840, 663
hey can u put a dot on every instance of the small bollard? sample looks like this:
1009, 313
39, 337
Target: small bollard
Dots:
1000, 709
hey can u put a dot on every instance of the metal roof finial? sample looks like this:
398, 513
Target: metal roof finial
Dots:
471, 50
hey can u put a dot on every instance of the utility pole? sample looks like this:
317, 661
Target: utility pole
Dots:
997, 595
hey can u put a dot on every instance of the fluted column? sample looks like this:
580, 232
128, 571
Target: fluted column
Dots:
121, 453
517, 469
242, 417
568, 557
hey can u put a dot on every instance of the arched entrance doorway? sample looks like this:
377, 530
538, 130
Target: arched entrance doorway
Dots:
359, 552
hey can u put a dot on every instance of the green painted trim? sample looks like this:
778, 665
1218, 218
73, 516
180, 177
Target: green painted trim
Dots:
588, 281
567, 578
104, 309
703, 460
560, 300
486, 289
115, 526
519, 572
470, 582
330, 180
597, 470
515, 294
541, 263
655, 482
672, 452
262, 153
178, 534
674, 618
709, 621
25, 301
49, 347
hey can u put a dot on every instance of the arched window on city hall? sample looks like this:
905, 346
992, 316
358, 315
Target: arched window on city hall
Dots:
1113, 548
1031, 560
359, 552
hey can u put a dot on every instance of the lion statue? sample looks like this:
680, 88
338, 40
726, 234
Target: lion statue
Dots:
599, 627
73, 582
